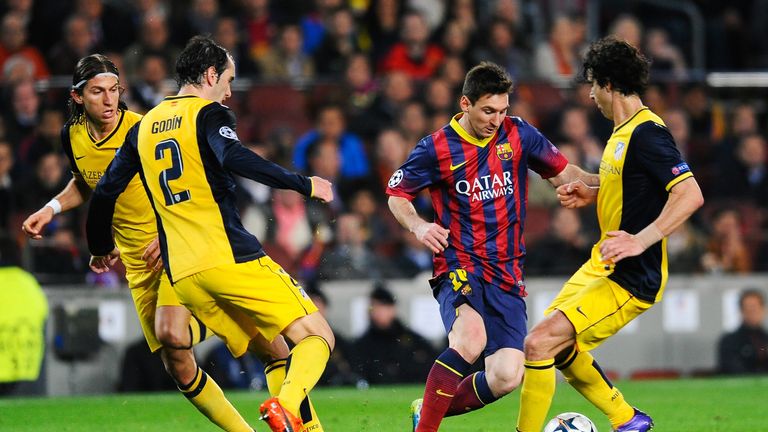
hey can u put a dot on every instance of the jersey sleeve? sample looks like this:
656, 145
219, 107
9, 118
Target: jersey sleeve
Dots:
219, 128
543, 156
415, 174
656, 152
119, 173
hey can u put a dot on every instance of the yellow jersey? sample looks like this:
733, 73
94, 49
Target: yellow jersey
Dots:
186, 150
134, 223
639, 166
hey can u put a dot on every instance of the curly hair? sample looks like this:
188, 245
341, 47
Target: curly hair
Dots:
200, 53
614, 61
486, 78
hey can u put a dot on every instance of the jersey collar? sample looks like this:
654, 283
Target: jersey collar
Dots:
466, 136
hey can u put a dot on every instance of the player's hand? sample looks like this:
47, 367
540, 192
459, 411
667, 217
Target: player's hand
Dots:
321, 189
576, 194
34, 225
432, 235
620, 245
152, 256
102, 264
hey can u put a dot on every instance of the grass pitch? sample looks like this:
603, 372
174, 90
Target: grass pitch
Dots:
713, 405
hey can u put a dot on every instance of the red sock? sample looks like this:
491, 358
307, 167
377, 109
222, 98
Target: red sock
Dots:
443, 380
473, 393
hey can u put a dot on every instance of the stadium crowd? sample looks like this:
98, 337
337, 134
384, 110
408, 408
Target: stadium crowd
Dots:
344, 89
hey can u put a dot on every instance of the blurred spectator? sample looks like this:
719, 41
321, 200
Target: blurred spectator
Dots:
7, 189
21, 121
627, 27
706, 116
111, 27
285, 60
501, 48
338, 45
383, 25
360, 84
143, 371
397, 89
685, 247
46, 181
339, 370
411, 259
391, 151
198, 19
412, 120
228, 35
566, 249
325, 161
390, 352
727, 250
380, 228
745, 350
292, 232
667, 62
512, 12
13, 41
45, 139
244, 373
76, 44
259, 26
747, 177
351, 256
331, 124
456, 41
574, 128
557, 59
414, 54
316, 22
453, 71
154, 41
150, 87
23, 312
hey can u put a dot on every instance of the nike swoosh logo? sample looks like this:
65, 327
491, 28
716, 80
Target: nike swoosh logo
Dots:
442, 393
578, 309
78, 158
455, 167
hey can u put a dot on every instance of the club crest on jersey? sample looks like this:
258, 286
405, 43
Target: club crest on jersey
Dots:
504, 151
396, 178
620, 146
227, 133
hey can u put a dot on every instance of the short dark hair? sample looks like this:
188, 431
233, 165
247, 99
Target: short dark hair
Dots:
486, 78
200, 53
87, 68
751, 292
614, 61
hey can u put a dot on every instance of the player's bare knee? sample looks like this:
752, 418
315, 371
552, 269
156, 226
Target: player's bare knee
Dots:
534, 346
173, 336
179, 364
504, 380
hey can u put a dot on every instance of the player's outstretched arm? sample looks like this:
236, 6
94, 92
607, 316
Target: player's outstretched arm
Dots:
321, 189
430, 234
74, 194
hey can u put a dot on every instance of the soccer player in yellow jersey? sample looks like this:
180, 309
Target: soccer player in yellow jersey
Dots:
185, 150
98, 124
643, 192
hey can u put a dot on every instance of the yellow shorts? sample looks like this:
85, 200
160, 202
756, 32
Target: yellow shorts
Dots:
596, 306
260, 290
151, 290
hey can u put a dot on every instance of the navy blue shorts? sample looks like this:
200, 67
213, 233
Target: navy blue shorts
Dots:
504, 313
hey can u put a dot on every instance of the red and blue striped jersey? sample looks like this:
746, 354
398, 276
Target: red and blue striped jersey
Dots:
479, 192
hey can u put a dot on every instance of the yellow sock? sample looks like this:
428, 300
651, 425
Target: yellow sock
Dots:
305, 366
275, 373
198, 332
208, 398
584, 374
536, 395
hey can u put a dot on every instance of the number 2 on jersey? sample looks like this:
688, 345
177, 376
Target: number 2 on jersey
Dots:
172, 173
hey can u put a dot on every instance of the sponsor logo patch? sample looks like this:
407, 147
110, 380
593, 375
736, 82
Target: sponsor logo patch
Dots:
680, 168
227, 133
396, 178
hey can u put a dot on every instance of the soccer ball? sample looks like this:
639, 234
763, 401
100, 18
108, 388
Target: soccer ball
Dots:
570, 422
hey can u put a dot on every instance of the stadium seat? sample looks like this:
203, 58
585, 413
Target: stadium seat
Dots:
655, 374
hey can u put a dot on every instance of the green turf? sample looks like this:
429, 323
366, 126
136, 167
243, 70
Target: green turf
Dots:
712, 405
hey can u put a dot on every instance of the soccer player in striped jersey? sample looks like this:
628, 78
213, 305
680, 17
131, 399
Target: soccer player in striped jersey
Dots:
98, 124
644, 191
476, 170
185, 150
